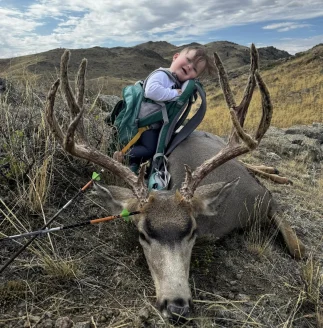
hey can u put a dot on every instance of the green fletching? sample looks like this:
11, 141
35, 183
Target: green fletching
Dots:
125, 214
96, 176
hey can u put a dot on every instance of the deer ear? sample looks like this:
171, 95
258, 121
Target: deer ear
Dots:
212, 197
115, 198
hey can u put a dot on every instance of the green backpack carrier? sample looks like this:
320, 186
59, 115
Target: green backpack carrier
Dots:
130, 121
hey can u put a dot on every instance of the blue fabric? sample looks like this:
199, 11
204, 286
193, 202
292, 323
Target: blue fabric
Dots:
145, 147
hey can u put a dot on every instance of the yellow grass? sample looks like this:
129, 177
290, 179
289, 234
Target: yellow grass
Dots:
296, 89
40, 179
22, 63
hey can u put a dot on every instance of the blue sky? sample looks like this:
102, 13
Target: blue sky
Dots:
33, 26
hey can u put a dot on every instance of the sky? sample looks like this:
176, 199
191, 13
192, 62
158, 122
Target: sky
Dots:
34, 26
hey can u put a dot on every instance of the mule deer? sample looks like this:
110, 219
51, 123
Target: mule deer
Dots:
207, 195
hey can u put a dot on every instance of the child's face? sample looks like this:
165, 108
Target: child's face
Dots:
184, 66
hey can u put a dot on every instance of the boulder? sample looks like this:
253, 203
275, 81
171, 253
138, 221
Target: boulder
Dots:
301, 141
107, 102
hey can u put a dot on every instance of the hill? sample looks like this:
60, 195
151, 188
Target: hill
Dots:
114, 62
129, 62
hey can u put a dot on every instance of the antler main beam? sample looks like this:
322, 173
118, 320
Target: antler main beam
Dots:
82, 148
238, 114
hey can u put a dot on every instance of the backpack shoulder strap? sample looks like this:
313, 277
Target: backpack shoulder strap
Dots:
159, 177
192, 124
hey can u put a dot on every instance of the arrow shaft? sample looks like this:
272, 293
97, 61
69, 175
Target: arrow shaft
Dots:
11, 259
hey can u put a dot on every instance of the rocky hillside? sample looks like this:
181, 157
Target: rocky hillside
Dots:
132, 62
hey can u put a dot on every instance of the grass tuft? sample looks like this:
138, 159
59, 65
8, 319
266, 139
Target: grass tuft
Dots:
312, 278
258, 240
59, 268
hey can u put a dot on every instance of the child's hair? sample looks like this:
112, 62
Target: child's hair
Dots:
201, 55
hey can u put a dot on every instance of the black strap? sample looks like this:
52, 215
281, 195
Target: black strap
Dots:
192, 124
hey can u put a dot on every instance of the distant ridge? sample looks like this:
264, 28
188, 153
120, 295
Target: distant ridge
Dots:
135, 62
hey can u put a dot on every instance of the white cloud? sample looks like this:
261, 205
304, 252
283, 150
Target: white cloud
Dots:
84, 23
298, 45
284, 27
292, 27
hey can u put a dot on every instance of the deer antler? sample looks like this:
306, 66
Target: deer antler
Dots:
238, 114
83, 149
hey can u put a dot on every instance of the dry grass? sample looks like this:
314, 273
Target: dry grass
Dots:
308, 296
312, 277
108, 85
296, 89
259, 240
60, 268
40, 178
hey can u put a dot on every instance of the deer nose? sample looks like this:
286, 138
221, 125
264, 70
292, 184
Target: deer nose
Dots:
178, 314
178, 310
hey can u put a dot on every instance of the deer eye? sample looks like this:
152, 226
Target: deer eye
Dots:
193, 235
143, 238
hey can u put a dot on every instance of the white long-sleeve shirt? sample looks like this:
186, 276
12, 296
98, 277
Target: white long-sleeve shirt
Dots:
159, 87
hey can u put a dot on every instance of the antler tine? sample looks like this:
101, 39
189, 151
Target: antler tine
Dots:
69, 142
65, 85
267, 108
192, 179
84, 150
80, 83
233, 150
75, 104
224, 82
254, 58
242, 108
141, 186
49, 112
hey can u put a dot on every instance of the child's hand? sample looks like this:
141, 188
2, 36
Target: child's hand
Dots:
179, 91
118, 156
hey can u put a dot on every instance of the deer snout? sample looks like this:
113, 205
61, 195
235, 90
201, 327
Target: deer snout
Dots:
177, 310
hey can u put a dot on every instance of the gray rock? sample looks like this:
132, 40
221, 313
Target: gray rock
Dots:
85, 324
27, 324
34, 318
143, 314
107, 102
274, 156
243, 297
48, 314
48, 323
314, 131
302, 141
231, 296
64, 322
